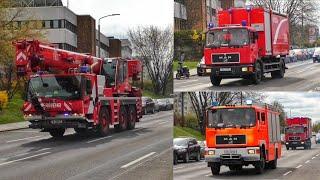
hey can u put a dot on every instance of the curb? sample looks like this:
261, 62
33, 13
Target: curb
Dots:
13, 128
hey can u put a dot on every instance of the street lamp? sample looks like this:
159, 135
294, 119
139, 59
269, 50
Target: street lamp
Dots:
99, 42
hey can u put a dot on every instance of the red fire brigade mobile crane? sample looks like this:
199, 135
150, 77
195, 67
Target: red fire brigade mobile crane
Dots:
72, 90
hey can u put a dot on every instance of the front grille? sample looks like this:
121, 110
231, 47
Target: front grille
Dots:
232, 139
294, 138
225, 58
230, 156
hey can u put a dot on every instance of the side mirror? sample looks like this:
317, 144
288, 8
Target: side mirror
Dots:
88, 86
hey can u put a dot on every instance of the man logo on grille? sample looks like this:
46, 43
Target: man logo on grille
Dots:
225, 58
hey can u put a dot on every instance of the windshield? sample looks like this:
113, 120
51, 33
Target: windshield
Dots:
227, 37
180, 142
244, 117
295, 129
62, 87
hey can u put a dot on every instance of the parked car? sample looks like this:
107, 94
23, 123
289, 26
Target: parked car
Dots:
318, 138
299, 54
292, 56
170, 103
316, 55
186, 149
162, 104
148, 105
156, 105
201, 70
203, 146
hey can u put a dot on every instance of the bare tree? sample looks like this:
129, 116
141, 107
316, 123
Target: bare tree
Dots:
300, 14
155, 46
202, 100
10, 31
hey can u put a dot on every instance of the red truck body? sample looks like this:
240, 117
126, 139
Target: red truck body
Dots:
72, 90
298, 132
245, 38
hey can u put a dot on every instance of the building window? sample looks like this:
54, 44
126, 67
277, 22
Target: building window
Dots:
56, 24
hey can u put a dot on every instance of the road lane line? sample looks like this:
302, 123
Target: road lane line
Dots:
208, 175
178, 168
307, 162
163, 122
287, 173
16, 140
95, 140
22, 159
299, 166
137, 160
44, 149
26, 131
313, 157
317, 155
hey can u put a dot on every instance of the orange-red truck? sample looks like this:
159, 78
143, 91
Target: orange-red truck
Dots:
238, 136
298, 132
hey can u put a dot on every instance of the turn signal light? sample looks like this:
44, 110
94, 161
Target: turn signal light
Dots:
211, 152
251, 151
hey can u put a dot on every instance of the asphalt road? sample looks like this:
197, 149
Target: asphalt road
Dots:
301, 76
294, 165
142, 153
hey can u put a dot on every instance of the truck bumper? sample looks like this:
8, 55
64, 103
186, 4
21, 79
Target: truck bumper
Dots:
239, 156
233, 71
295, 143
59, 121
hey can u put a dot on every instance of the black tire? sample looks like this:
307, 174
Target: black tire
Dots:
57, 133
216, 81
280, 73
273, 164
178, 76
132, 117
81, 131
186, 158
260, 166
287, 147
198, 158
257, 76
104, 117
175, 159
122, 120
215, 169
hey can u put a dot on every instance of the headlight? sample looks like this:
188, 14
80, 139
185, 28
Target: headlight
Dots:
287, 143
302, 142
182, 150
244, 69
211, 152
251, 151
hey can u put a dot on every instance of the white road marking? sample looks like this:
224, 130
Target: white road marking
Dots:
317, 155
26, 131
163, 122
95, 140
313, 157
287, 173
23, 139
10, 162
178, 168
44, 149
299, 166
307, 161
137, 160
208, 175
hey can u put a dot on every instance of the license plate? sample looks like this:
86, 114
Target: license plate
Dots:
56, 121
225, 69
208, 70
294, 142
230, 151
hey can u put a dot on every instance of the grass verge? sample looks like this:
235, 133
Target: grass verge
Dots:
189, 64
187, 132
12, 113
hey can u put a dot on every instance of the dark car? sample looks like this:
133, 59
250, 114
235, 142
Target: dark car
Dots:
201, 70
185, 149
148, 105
202, 148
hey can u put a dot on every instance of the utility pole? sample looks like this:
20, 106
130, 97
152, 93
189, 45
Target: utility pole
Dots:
182, 107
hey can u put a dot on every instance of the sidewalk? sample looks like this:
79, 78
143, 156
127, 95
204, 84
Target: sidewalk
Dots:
14, 126
193, 72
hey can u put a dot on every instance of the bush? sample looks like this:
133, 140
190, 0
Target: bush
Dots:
3, 99
190, 121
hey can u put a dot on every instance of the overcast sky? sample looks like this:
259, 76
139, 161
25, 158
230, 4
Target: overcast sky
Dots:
301, 103
133, 13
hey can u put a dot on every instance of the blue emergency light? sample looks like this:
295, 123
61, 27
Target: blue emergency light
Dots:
214, 103
244, 23
211, 25
84, 69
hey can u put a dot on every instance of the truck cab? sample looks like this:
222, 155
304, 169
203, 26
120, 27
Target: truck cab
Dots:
298, 133
238, 136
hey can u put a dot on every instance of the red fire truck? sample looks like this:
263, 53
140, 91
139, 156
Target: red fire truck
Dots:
72, 90
247, 43
298, 132
238, 136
